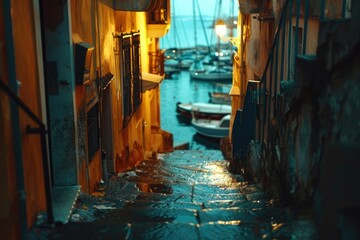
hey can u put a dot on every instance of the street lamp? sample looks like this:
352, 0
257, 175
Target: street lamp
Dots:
220, 28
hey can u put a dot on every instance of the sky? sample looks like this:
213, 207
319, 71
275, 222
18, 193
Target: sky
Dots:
207, 7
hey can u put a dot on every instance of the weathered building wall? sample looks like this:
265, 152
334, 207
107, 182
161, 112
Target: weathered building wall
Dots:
61, 92
313, 153
295, 147
26, 73
83, 29
9, 205
322, 131
338, 189
124, 145
129, 142
303, 129
29, 145
8, 196
68, 102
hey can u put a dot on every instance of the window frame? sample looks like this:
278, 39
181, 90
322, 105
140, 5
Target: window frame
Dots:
128, 53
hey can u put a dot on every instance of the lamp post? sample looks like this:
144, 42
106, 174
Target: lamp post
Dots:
220, 30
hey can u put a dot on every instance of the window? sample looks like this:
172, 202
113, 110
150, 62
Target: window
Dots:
93, 131
127, 52
136, 70
126, 76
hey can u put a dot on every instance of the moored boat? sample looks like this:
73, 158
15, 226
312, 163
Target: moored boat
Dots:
212, 128
203, 110
169, 71
215, 73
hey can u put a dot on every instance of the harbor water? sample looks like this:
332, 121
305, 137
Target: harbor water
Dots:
180, 88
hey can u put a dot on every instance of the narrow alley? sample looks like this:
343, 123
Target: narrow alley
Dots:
88, 150
180, 195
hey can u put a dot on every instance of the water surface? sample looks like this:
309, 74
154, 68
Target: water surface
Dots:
180, 88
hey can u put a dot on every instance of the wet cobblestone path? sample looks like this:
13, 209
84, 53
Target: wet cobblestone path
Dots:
180, 195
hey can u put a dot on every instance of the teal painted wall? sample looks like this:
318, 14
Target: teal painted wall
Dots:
59, 49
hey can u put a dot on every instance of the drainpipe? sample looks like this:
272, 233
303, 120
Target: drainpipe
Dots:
17, 143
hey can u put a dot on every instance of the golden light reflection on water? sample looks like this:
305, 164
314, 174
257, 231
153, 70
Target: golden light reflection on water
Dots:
232, 222
276, 226
222, 208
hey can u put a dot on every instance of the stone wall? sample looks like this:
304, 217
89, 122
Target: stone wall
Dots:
315, 158
337, 194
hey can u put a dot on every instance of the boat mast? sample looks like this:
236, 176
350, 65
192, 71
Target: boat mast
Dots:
195, 33
174, 24
203, 27
218, 17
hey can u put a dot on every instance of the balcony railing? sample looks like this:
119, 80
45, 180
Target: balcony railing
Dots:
156, 62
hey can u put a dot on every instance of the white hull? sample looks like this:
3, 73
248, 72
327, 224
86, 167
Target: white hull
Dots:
204, 110
212, 128
214, 73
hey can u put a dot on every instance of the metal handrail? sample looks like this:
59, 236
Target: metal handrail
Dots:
269, 64
42, 131
21, 104
275, 40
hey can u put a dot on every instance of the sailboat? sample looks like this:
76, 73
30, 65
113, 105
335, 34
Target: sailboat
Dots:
216, 71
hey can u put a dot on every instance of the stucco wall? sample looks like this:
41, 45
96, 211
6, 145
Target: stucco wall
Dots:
7, 177
8, 191
129, 141
339, 116
26, 73
96, 25
315, 158
59, 52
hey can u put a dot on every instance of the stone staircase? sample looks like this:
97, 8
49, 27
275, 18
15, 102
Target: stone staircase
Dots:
182, 195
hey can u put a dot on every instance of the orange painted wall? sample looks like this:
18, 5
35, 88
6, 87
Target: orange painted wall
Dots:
8, 207
27, 75
96, 25
83, 30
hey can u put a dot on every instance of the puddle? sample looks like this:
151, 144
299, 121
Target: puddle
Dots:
154, 188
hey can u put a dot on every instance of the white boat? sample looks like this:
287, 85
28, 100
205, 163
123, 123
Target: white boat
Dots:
185, 63
212, 128
169, 71
212, 73
173, 63
203, 110
179, 62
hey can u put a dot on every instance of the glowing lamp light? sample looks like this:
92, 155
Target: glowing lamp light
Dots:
220, 28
